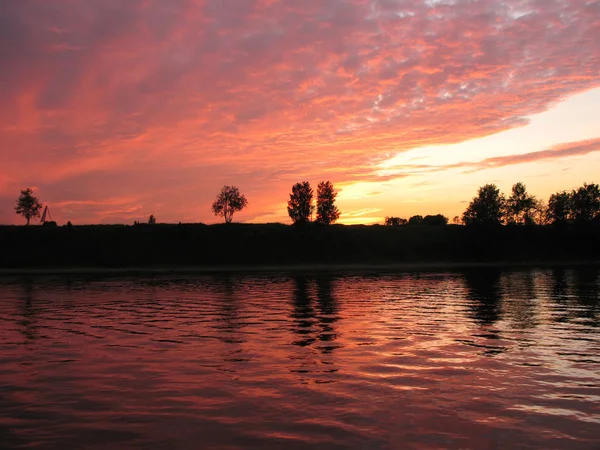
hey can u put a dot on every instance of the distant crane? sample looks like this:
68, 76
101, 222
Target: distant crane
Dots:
44, 214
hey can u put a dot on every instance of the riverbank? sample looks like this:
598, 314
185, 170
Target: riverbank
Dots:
198, 248
302, 268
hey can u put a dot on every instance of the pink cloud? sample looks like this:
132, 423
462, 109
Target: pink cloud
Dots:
163, 102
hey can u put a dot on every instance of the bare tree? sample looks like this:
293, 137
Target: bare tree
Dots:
28, 205
229, 201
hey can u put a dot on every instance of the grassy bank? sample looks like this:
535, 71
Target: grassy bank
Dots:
275, 245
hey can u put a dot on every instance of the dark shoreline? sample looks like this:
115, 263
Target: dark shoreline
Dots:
253, 248
293, 268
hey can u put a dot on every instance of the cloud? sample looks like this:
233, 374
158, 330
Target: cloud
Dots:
162, 102
360, 212
564, 150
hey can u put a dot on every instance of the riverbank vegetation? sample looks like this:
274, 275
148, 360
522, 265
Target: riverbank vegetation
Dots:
518, 228
490, 208
188, 245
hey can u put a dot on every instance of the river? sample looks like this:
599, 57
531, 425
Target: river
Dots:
479, 359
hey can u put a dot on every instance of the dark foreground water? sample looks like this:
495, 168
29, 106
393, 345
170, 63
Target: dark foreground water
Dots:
486, 359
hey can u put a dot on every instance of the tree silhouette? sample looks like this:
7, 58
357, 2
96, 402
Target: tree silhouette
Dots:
28, 205
436, 220
327, 212
456, 220
152, 219
300, 207
484, 294
585, 203
521, 208
487, 208
228, 202
395, 221
559, 208
415, 220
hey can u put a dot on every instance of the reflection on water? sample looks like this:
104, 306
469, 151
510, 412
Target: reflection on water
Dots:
481, 359
327, 313
314, 318
483, 289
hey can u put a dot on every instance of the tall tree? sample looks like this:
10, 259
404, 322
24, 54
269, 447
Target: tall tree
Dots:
327, 212
300, 206
585, 203
520, 206
229, 201
487, 208
28, 205
559, 208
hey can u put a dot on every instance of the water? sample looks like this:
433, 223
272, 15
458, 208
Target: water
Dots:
485, 359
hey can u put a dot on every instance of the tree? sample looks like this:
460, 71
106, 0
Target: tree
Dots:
28, 205
487, 208
152, 219
436, 220
456, 220
395, 221
228, 202
327, 212
415, 220
520, 206
300, 207
559, 208
537, 214
585, 203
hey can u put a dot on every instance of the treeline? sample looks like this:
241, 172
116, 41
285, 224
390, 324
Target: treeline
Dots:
489, 208
230, 200
436, 220
492, 208
319, 242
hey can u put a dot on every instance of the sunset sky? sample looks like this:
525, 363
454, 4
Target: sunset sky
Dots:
112, 110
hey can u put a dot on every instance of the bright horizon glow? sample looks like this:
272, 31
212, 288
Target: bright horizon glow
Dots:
572, 120
114, 110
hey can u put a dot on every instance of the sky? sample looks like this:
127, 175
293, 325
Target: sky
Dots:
114, 110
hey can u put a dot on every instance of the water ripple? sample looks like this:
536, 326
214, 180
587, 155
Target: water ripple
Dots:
483, 359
